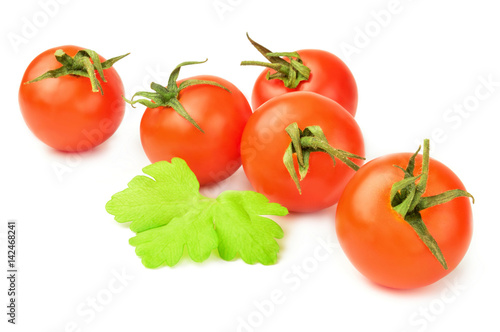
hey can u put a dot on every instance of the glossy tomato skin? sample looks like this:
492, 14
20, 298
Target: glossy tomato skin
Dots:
330, 77
379, 242
63, 112
213, 155
264, 142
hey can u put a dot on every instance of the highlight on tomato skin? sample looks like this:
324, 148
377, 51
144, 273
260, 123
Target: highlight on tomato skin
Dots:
381, 244
64, 112
265, 141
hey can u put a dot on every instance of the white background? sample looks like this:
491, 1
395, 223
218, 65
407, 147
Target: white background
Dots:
427, 57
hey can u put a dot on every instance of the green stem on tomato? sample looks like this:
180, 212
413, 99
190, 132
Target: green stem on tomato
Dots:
303, 143
407, 200
291, 72
168, 96
85, 63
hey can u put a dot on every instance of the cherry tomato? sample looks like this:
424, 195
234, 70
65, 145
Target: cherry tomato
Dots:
265, 141
329, 77
212, 155
63, 112
381, 244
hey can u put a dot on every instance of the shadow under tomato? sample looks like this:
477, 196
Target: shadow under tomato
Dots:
97, 150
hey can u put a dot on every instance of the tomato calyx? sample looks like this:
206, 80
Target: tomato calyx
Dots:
407, 200
291, 72
85, 63
168, 96
303, 143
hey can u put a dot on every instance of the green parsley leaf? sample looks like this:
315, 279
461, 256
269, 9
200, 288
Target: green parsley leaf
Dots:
242, 230
148, 203
168, 213
165, 244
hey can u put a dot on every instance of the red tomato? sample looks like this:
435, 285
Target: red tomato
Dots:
213, 155
63, 112
381, 244
329, 77
265, 141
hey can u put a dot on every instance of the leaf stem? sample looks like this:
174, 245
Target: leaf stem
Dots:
303, 143
291, 72
85, 63
407, 200
168, 96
